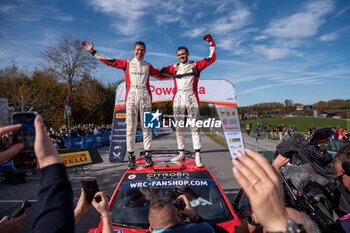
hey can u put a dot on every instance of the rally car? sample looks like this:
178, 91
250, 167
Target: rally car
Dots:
129, 204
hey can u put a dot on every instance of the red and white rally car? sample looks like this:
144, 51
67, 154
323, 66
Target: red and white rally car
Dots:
129, 204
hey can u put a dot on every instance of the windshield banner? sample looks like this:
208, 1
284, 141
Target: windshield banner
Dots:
167, 179
162, 183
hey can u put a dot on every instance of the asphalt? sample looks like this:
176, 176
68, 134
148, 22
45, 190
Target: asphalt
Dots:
214, 156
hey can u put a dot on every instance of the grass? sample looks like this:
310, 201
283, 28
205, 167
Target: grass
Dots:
301, 123
215, 138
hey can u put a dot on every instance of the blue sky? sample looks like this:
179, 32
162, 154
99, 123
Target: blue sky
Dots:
271, 50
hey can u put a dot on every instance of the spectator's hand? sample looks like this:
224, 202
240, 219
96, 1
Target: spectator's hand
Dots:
88, 47
14, 149
280, 161
12, 225
102, 206
82, 207
45, 151
188, 210
262, 184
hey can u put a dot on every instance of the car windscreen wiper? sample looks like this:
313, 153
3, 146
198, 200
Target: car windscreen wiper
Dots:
129, 225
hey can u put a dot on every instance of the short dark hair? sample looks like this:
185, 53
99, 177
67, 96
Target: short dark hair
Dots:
159, 203
182, 48
162, 214
139, 43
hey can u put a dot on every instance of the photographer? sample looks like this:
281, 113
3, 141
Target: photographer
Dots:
342, 157
165, 217
307, 154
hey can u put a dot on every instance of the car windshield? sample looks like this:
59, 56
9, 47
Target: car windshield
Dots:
131, 205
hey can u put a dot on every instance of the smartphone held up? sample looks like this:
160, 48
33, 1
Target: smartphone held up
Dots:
91, 188
26, 158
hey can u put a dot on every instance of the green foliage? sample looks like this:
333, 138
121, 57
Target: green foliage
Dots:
215, 138
301, 123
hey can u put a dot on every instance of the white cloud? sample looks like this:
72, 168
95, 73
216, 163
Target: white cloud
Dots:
229, 29
232, 44
261, 37
254, 89
333, 35
284, 82
329, 37
273, 53
6, 8
302, 24
342, 11
235, 20
195, 32
127, 14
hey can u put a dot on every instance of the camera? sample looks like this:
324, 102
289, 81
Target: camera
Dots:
179, 204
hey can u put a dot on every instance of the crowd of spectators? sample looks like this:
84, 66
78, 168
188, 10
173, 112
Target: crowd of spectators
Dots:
260, 180
339, 134
58, 136
80, 130
277, 132
282, 132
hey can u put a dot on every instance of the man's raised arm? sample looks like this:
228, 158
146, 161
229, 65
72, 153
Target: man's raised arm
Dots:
212, 53
121, 64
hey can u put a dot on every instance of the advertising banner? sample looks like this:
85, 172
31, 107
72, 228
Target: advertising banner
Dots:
75, 158
117, 146
216, 91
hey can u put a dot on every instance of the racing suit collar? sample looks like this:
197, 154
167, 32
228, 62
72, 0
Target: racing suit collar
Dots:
185, 63
137, 60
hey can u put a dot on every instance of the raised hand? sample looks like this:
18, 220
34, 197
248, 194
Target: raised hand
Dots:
88, 47
262, 183
45, 151
207, 37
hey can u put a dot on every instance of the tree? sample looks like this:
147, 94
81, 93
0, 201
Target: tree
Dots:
69, 62
15, 85
288, 103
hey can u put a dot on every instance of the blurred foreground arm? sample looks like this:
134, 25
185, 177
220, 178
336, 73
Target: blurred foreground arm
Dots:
55, 198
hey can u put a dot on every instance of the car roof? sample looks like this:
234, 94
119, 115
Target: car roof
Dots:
162, 163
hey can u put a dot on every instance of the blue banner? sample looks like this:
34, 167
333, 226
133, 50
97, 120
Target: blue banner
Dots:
87, 141
117, 147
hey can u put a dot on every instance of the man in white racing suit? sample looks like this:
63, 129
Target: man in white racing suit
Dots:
138, 95
186, 75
